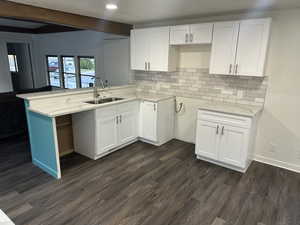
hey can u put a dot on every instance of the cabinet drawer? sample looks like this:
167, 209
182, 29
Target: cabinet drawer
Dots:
224, 118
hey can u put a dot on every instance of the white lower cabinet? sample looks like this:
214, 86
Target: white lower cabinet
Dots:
157, 121
101, 131
104, 130
207, 146
224, 139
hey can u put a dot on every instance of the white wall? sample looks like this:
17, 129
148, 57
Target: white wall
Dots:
278, 138
117, 61
84, 43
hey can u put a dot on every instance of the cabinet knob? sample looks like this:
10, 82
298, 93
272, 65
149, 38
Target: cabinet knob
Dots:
117, 119
145, 65
186, 38
191, 38
120, 118
222, 132
148, 65
154, 107
217, 131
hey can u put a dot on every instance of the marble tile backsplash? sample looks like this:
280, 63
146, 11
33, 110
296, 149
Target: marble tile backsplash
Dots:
198, 83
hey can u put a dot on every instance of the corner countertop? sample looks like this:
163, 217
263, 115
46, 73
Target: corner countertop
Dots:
231, 108
68, 92
64, 108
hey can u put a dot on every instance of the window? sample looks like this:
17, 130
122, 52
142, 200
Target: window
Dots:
87, 71
69, 72
53, 71
13, 64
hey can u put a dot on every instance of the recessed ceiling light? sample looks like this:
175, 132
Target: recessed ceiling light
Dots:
111, 6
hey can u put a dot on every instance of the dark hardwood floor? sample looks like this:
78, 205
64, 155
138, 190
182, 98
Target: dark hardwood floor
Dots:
147, 185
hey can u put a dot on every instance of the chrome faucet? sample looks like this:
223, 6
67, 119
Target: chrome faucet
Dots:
96, 93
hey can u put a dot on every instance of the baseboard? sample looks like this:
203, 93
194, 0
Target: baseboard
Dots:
45, 168
277, 163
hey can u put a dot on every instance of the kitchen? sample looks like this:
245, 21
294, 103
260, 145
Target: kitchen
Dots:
216, 82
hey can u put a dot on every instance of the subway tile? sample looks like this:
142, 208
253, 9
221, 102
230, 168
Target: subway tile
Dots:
198, 83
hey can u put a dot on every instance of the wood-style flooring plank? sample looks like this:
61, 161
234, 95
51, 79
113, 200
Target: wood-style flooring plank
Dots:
143, 184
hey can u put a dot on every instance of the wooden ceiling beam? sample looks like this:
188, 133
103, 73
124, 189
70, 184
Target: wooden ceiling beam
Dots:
16, 29
51, 28
32, 13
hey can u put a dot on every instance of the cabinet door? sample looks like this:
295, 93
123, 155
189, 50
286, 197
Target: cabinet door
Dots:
207, 139
159, 39
106, 132
224, 48
148, 121
201, 33
252, 47
127, 122
179, 35
139, 49
233, 145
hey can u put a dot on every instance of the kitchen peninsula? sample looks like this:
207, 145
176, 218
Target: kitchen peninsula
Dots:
127, 117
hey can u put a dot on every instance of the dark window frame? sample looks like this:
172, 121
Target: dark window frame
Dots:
79, 71
48, 71
63, 72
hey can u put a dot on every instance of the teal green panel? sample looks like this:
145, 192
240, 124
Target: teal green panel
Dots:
42, 142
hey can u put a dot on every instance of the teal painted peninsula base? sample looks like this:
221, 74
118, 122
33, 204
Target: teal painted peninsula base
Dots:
43, 142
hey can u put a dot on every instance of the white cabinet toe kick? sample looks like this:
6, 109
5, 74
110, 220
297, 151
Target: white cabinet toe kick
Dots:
102, 131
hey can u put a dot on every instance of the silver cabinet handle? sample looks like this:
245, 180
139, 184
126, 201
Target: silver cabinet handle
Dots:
145, 65
222, 132
236, 68
217, 132
191, 38
120, 118
154, 107
230, 68
117, 119
148, 65
186, 38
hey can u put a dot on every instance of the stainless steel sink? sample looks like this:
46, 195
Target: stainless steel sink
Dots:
104, 100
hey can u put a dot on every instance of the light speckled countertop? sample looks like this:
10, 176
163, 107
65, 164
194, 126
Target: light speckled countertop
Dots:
74, 101
234, 109
59, 109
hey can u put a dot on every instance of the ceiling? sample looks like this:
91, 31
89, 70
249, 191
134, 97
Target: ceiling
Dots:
19, 23
141, 11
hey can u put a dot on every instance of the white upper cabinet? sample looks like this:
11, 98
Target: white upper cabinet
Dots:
224, 48
240, 48
191, 34
179, 35
150, 49
201, 33
139, 49
159, 39
252, 47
